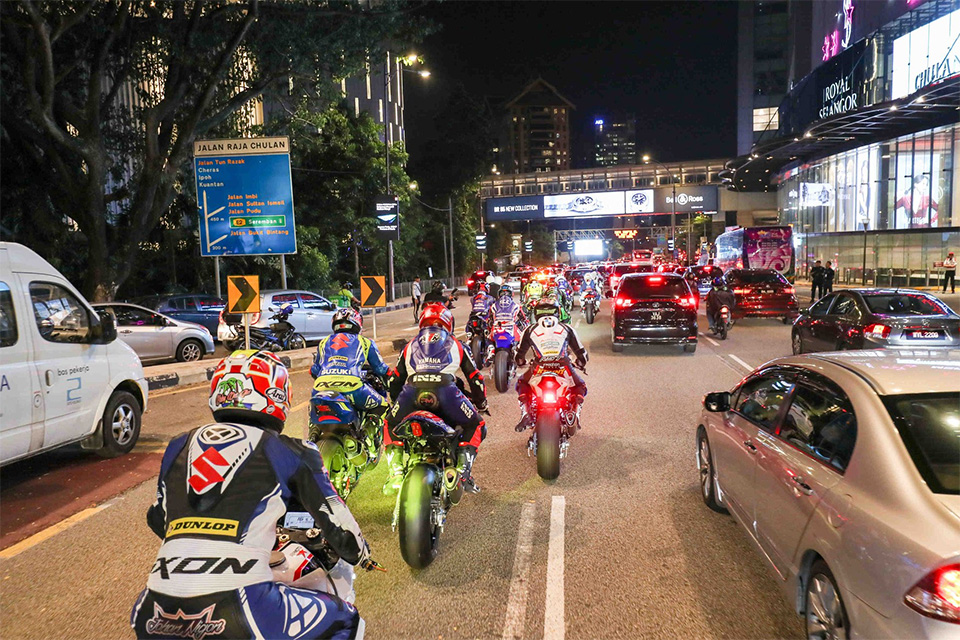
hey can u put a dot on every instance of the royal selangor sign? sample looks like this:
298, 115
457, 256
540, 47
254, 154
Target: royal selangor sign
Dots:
245, 196
387, 211
926, 56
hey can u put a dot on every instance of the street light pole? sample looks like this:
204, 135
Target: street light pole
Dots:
673, 215
386, 146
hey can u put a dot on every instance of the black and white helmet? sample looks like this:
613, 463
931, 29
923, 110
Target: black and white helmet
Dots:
347, 320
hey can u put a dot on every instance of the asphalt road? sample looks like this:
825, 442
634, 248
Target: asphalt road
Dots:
620, 546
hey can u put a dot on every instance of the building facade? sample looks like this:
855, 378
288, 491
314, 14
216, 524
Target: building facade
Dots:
614, 141
762, 68
864, 159
368, 92
537, 130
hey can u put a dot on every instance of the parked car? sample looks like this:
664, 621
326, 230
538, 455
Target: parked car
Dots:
200, 308
843, 469
762, 293
155, 336
874, 319
311, 316
654, 308
64, 375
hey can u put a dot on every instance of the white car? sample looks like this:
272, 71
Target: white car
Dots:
844, 470
155, 336
312, 314
64, 376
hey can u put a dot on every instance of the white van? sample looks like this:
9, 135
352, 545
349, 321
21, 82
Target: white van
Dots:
64, 376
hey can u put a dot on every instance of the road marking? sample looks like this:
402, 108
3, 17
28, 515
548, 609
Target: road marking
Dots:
554, 624
739, 361
710, 340
517, 601
50, 531
576, 324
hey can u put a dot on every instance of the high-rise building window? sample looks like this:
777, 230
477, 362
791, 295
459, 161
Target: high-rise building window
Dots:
766, 119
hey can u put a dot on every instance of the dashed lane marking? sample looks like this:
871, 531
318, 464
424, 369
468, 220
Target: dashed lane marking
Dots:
740, 362
517, 601
554, 624
50, 531
710, 340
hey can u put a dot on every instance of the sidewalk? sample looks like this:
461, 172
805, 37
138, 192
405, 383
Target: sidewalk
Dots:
803, 287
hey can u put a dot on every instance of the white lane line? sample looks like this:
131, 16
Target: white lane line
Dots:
576, 324
554, 625
50, 531
710, 340
739, 361
517, 601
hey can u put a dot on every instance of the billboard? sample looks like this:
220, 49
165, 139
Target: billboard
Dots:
592, 204
926, 56
588, 248
520, 208
639, 201
688, 199
582, 205
387, 211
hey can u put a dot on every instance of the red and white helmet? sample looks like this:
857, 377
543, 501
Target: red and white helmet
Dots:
436, 315
252, 388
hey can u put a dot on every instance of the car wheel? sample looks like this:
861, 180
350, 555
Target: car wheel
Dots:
690, 348
121, 425
825, 616
189, 351
797, 343
786, 319
708, 474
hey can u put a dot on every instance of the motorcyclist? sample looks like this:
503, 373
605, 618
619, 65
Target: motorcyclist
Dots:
436, 294
436, 352
532, 292
339, 364
551, 340
347, 299
221, 491
718, 296
564, 292
507, 310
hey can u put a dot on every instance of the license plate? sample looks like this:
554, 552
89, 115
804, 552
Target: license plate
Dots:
921, 334
655, 315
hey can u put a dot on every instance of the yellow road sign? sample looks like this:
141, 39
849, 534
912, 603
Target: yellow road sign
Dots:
373, 291
243, 294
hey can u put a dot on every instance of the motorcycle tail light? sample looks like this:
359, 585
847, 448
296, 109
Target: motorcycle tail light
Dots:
937, 595
881, 331
550, 397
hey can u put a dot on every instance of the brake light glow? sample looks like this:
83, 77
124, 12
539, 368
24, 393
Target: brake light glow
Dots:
789, 290
937, 595
687, 302
655, 279
549, 397
614, 280
741, 291
881, 331
624, 302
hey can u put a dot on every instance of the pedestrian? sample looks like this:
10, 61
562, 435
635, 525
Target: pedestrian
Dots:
416, 296
816, 276
828, 274
950, 273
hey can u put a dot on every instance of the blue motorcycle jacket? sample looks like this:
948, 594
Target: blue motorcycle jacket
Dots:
344, 354
481, 303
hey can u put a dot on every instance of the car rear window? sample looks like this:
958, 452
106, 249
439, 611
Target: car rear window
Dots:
705, 271
905, 304
759, 277
210, 303
621, 269
653, 287
929, 425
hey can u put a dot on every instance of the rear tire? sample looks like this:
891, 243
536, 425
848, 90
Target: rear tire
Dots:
617, 346
548, 445
708, 474
589, 313
722, 331
825, 615
121, 425
476, 349
336, 465
786, 320
418, 536
189, 350
501, 370
296, 341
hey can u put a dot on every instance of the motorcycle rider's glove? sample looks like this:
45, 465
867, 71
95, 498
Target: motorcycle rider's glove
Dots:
580, 363
521, 362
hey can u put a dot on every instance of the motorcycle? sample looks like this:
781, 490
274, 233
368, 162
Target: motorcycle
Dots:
280, 336
554, 415
722, 323
477, 330
590, 305
503, 344
431, 483
337, 430
303, 558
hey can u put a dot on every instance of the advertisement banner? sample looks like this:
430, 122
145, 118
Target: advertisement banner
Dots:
688, 199
639, 201
582, 205
816, 194
387, 210
519, 208
768, 248
926, 56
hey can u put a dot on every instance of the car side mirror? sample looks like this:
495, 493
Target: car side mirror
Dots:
329, 306
103, 329
717, 402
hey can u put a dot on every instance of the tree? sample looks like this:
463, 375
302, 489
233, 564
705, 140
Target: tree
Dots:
102, 100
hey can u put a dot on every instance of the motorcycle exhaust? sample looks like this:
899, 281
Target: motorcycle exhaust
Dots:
451, 478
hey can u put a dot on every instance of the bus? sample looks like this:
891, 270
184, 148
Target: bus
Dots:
757, 248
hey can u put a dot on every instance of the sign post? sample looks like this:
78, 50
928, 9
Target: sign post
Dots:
372, 295
243, 296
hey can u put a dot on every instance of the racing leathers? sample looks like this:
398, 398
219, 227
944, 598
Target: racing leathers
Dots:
532, 292
221, 491
432, 360
717, 298
507, 311
553, 341
481, 303
338, 367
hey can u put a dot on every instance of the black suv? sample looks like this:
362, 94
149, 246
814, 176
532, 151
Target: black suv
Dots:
654, 308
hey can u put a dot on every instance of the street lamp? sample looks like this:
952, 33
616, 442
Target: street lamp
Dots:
409, 59
673, 216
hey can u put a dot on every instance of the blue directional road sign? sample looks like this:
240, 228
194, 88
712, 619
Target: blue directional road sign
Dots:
245, 196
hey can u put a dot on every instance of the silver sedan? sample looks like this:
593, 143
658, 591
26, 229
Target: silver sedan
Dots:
155, 336
844, 470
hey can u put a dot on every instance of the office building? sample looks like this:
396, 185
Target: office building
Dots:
367, 92
536, 131
614, 141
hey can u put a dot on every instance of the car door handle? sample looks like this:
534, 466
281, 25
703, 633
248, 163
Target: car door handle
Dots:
802, 486
752, 448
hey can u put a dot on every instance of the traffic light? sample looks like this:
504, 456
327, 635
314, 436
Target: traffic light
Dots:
528, 246
569, 245
481, 239
670, 244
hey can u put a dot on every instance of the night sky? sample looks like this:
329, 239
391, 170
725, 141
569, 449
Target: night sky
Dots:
673, 64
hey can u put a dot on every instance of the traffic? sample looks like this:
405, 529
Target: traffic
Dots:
255, 510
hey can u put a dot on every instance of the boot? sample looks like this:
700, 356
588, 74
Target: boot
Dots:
525, 420
465, 459
578, 404
394, 455
373, 437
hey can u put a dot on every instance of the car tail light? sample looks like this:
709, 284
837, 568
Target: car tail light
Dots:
614, 280
937, 595
687, 302
741, 291
655, 279
470, 282
881, 331
624, 302
789, 290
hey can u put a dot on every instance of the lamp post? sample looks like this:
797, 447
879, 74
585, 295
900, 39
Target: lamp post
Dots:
863, 269
387, 75
673, 215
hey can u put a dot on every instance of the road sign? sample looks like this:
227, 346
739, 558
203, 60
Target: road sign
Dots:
481, 240
245, 196
243, 294
373, 291
670, 244
528, 246
387, 210
625, 234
